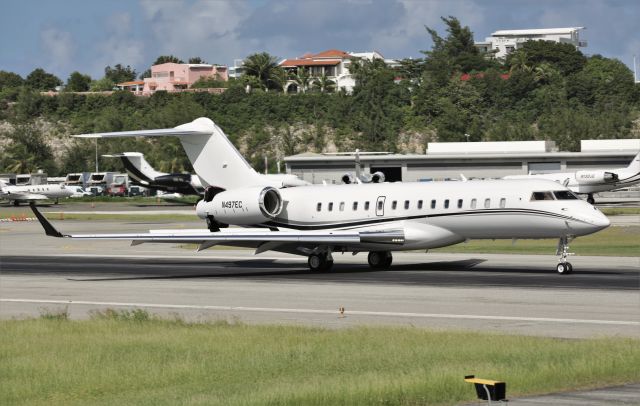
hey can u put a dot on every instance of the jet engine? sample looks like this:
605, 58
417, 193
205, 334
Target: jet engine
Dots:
377, 177
594, 177
246, 206
348, 178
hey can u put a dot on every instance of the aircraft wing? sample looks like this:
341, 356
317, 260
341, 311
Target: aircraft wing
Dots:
257, 237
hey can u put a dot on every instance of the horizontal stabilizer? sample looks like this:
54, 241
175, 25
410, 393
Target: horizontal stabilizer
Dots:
166, 132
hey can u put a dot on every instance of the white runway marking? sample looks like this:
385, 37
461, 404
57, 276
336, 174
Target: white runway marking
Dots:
335, 312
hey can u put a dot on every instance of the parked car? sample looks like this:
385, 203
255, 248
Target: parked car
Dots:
78, 191
135, 191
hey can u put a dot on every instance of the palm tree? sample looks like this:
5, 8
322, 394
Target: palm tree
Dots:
324, 84
302, 79
519, 62
280, 77
262, 66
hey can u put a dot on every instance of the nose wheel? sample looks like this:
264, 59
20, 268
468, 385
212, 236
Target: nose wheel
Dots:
564, 267
380, 259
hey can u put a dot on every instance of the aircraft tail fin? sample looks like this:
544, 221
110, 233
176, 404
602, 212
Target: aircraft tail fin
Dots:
137, 167
214, 158
635, 164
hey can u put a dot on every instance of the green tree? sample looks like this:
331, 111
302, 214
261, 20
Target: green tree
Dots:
262, 66
205, 82
120, 73
564, 57
40, 80
102, 85
280, 77
168, 59
302, 78
145, 74
196, 59
77, 82
603, 81
323, 84
10, 80
28, 150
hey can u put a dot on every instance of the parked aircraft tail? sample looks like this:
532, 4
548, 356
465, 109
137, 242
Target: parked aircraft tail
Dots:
137, 167
635, 164
214, 158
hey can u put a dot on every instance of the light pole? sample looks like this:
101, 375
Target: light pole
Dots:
467, 136
97, 156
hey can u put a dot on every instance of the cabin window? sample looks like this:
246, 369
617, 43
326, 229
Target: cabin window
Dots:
564, 195
330, 206
419, 204
380, 204
406, 204
355, 206
433, 204
366, 205
446, 203
487, 203
541, 196
503, 203
341, 206
394, 205
459, 203
474, 202
319, 207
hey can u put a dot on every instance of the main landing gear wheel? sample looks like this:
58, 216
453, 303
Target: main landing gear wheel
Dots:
319, 263
564, 268
380, 259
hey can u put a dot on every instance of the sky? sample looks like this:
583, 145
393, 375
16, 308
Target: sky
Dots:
86, 35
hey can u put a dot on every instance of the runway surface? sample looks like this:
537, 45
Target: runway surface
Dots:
481, 292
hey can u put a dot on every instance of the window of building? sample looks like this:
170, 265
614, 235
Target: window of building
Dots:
355, 206
394, 204
406, 204
446, 203
433, 204
319, 207
459, 203
487, 203
341, 206
330, 206
366, 205
503, 203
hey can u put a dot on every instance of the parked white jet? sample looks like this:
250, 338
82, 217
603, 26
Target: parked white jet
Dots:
28, 193
319, 220
592, 181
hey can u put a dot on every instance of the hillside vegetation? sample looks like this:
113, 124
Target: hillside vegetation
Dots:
544, 91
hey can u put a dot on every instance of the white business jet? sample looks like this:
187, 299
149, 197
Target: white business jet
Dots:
320, 220
592, 181
29, 193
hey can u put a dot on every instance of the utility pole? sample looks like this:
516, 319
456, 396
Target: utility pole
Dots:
635, 70
97, 156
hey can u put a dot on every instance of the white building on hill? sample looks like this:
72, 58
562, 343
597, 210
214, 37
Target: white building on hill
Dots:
504, 42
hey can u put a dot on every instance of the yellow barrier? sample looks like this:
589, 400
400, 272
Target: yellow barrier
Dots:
487, 389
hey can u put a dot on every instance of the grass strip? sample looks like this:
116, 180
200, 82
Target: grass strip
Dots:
131, 357
612, 241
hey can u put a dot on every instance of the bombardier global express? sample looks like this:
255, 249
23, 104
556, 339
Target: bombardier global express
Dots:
320, 220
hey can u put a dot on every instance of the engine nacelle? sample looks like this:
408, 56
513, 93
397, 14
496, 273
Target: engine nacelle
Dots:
348, 178
377, 177
247, 206
594, 177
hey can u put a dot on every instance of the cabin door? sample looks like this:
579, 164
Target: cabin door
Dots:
380, 206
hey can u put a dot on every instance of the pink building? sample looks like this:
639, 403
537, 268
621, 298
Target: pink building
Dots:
176, 77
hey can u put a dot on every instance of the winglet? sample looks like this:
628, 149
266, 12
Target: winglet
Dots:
49, 229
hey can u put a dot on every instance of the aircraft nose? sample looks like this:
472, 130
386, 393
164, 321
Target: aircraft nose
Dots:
600, 221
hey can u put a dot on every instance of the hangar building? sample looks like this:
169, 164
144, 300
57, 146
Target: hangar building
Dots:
447, 160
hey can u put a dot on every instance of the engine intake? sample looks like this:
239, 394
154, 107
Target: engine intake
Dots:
246, 206
377, 177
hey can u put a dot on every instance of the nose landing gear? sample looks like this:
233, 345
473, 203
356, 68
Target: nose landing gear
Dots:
590, 198
564, 267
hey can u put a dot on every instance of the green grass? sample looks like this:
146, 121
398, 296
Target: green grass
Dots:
131, 358
616, 211
122, 217
613, 241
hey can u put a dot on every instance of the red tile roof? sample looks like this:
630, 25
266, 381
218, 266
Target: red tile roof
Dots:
308, 62
132, 83
332, 53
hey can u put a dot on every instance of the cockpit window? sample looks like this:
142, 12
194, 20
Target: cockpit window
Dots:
541, 196
565, 195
